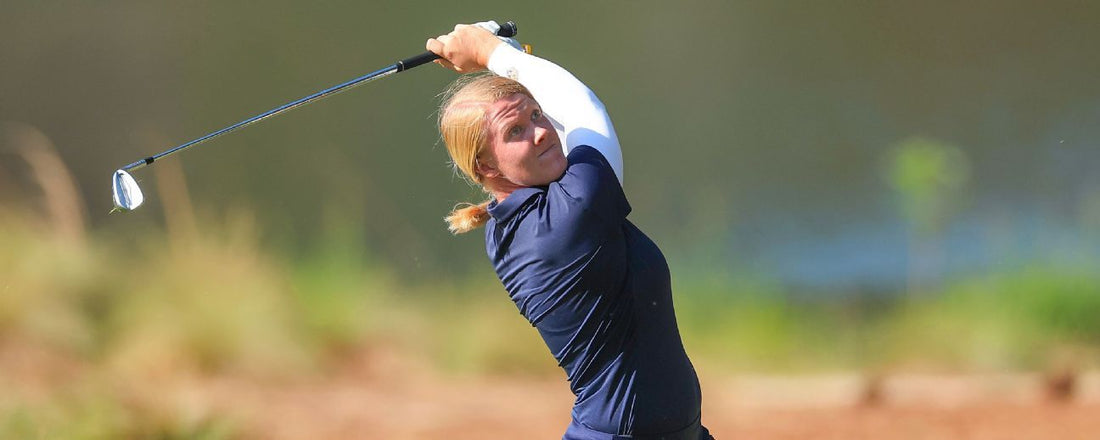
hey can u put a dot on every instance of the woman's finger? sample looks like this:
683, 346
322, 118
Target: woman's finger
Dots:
434, 45
446, 64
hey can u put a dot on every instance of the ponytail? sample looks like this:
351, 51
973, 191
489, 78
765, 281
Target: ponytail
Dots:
467, 217
463, 129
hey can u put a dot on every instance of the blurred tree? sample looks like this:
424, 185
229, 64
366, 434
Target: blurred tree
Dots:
927, 176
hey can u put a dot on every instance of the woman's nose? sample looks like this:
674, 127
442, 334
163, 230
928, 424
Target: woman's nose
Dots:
540, 134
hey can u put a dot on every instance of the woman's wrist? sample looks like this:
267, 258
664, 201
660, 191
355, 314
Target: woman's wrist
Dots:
486, 46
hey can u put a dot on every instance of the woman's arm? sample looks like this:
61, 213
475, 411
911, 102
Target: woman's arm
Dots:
576, 112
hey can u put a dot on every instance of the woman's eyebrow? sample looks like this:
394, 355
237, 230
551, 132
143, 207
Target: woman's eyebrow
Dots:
503, 117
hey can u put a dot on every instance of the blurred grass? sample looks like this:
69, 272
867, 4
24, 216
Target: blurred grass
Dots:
93, 314
99, 413
1013, 320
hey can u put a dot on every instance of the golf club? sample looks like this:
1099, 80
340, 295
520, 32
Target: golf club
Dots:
126, 192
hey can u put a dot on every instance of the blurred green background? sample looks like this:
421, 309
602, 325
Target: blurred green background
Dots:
837, 185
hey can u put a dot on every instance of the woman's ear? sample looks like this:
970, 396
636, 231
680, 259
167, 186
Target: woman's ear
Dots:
485, 167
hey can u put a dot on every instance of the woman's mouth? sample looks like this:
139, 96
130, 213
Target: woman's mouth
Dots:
547, 150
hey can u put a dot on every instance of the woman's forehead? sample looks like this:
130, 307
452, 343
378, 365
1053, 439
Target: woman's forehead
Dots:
509, 106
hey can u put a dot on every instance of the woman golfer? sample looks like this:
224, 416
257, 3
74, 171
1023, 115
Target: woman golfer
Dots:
596, 288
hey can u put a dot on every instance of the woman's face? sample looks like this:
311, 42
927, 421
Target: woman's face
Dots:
524, 149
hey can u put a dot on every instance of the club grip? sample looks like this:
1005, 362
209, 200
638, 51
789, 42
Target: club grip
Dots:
508, 30
416, 60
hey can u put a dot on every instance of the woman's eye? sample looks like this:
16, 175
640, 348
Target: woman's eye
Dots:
515, 131
535, 115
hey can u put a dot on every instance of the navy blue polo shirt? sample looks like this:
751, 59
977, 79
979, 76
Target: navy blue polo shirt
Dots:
598, 291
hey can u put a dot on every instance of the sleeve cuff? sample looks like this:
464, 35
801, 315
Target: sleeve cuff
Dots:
504, 59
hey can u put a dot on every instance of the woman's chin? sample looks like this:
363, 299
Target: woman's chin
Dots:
558, 164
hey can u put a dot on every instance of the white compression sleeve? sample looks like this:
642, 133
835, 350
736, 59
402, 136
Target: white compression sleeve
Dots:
572, 107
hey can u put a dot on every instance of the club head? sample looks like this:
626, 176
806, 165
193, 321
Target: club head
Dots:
125, 190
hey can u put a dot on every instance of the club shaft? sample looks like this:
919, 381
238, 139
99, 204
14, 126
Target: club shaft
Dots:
506, 30
388, 70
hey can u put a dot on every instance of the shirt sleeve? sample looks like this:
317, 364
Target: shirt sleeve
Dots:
588, 197
572, 107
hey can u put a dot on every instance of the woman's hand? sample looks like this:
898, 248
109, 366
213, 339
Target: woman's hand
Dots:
464, 50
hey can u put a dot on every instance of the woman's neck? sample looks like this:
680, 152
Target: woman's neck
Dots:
500, 188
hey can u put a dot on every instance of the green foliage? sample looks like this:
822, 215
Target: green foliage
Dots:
95, 411
739, 325
475, 328
927, 175
1064, 304
1002, 321
222, 304
338, 299
999, 321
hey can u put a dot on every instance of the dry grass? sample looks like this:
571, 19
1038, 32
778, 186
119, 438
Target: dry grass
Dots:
201, 331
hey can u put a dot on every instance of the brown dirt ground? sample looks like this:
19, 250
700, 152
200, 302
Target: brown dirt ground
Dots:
487, 408
399, 400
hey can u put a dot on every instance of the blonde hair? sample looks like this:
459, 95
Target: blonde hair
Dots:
465, 133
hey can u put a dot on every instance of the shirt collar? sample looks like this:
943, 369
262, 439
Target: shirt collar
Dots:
504, 210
